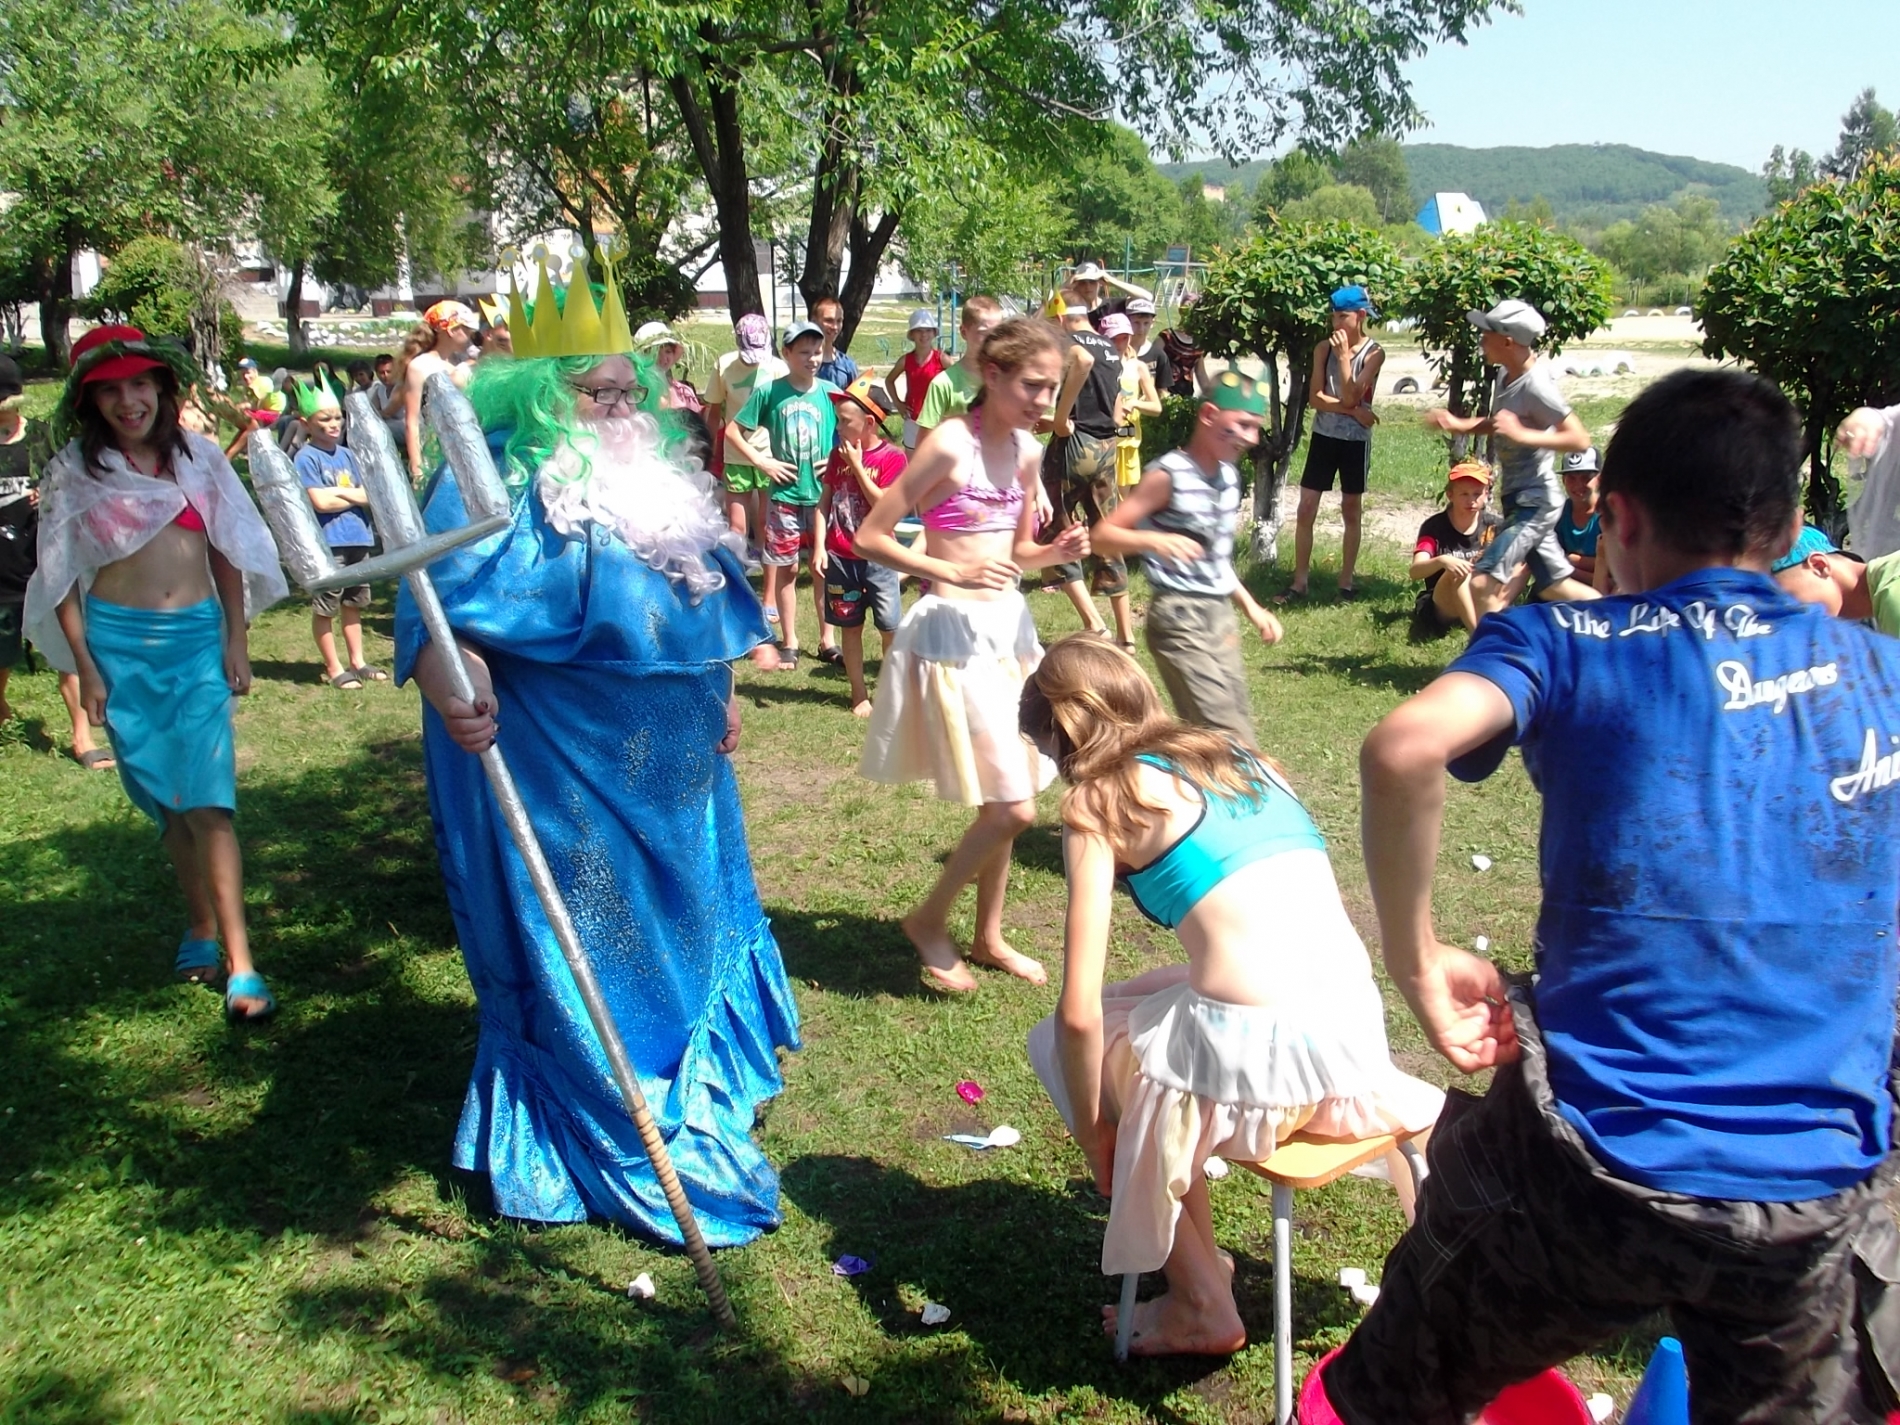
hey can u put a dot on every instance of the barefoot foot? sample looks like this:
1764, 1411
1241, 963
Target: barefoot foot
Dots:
1164, 1329
941, 961
999, 956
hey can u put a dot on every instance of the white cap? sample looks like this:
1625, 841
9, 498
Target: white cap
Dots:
1520, 321
1088, 272
923, 319
653, 334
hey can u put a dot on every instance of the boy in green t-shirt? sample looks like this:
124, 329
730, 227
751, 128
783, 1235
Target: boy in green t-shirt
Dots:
796, 413
952, 390
1844, 584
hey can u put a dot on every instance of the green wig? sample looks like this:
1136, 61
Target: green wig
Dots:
533, 402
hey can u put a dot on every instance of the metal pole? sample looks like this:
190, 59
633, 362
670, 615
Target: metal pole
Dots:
515, 813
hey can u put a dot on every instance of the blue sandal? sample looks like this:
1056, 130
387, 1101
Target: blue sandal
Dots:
247, 986
198, 961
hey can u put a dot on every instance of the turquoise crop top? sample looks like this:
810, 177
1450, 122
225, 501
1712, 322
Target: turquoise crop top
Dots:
1225, 837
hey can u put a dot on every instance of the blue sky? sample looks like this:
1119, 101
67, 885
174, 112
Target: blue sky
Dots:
1716, 79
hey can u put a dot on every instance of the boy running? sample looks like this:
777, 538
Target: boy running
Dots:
1691, 1108
1181, 518
1533, 423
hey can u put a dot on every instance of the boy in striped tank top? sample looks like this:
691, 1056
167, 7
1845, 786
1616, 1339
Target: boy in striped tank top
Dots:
1181, 519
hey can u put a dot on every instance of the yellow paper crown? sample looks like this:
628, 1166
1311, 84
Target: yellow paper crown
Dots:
573, 325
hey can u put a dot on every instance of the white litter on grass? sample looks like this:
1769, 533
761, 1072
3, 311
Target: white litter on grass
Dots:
1481, 944
1350, 1277
1480, 863
1600, 1406
641, 1288
1215, 1168
1365, 1295
1001, 1136
934, 1314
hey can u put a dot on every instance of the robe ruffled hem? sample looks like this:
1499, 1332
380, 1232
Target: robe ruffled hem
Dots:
558, 1150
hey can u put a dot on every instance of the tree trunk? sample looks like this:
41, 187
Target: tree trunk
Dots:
868, 246
56, 310
293, 310
719, 149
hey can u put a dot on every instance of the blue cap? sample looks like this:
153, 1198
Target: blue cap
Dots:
1810, 541
1354, 299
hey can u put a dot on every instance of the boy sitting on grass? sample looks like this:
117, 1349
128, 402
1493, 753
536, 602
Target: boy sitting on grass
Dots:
795, 413
1447, 543
862, 468
336, 491
1691, 1107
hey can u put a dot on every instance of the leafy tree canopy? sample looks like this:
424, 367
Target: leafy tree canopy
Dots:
1805, 298
1867, 129
1378, 165
1474, 271
1335, 203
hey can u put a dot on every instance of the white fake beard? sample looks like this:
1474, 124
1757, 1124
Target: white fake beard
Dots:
667, 512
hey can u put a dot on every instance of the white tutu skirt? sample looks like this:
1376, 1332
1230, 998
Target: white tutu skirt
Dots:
946, 707
1189, 1077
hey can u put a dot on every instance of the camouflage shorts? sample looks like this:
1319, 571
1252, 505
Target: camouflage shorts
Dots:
1079, 476
1527, 1251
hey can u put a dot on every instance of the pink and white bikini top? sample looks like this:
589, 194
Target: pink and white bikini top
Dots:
977, 506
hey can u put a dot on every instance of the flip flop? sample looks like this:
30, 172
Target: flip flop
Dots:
347, 680
1289, 596
830, 655
370, 673
1349, 593
92, 757
198, 961
247, 986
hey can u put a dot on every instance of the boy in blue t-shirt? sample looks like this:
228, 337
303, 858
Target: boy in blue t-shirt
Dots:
1691, 1107
329, 474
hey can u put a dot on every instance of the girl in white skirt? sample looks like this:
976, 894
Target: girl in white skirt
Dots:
1273, 1027
946, 704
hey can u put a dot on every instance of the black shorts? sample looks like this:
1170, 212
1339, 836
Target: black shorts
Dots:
326, 602
1428, 622
1528, 1251
1328, 455
852, 585
12, 644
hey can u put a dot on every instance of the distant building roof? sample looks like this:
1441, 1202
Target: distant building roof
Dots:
1450, 213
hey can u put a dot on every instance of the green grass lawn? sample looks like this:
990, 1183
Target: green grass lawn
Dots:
202, 1224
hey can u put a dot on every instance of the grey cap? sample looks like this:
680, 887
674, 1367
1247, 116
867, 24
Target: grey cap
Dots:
1088, 272
799, 329
1140, 307
1520, 321
1582, 462
923, 319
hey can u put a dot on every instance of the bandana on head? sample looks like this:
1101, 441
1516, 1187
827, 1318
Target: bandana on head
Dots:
65, 419
1235, 390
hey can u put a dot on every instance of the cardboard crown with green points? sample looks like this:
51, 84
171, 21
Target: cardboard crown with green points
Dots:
1234, 390
325, 395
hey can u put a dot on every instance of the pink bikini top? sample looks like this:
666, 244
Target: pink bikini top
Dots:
977, 506
189, 518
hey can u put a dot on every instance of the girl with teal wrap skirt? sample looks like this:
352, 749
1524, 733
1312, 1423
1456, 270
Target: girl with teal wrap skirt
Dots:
151, 555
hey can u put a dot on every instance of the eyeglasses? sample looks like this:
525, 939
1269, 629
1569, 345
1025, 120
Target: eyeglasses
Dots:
606, 396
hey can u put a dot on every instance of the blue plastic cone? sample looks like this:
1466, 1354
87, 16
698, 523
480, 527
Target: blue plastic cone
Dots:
1663, 1397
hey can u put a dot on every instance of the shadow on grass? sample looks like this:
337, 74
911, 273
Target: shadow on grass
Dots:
55, 1398
1402, 678
357, 1082
847, 954
981, 1247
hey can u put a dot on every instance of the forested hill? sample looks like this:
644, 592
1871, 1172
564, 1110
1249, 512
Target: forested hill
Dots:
1592, 184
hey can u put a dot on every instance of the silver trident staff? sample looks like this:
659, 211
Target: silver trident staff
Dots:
408, 552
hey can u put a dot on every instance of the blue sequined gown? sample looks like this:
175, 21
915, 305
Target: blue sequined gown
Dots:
612, 690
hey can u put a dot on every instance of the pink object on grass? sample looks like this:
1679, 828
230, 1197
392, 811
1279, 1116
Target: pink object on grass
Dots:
970, 1091
1548, 1399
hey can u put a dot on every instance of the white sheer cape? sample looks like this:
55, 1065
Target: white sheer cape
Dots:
90, 518
1873, 524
